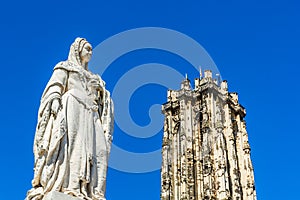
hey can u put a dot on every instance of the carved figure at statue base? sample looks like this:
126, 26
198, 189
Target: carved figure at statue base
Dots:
74, 130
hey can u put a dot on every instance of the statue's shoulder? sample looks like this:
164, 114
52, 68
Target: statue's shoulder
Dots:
65, 65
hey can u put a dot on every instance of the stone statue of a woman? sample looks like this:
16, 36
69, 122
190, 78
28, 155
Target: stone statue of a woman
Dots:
74, 130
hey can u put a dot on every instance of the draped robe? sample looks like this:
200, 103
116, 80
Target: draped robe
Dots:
71, 148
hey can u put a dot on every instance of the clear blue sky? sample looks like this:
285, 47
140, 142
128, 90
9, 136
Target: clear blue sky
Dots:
255, 45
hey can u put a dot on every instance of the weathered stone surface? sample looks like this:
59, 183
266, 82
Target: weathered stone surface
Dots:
74, 130
205, 152
54, 195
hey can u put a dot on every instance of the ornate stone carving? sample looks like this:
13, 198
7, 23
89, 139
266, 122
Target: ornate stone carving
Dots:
211, 147
74, 130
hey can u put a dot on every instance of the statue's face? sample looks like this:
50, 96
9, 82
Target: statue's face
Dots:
86, 52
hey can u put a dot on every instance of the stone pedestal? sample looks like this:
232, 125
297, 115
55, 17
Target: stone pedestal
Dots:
59, 196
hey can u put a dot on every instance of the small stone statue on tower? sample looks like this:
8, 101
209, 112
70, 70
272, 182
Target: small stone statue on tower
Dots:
74, 131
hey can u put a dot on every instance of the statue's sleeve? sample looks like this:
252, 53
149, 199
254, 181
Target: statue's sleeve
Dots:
56, 85
54, 89
107, 118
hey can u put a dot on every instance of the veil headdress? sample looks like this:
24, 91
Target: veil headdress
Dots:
75, 49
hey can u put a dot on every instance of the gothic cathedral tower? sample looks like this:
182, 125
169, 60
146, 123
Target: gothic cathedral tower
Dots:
205, 151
